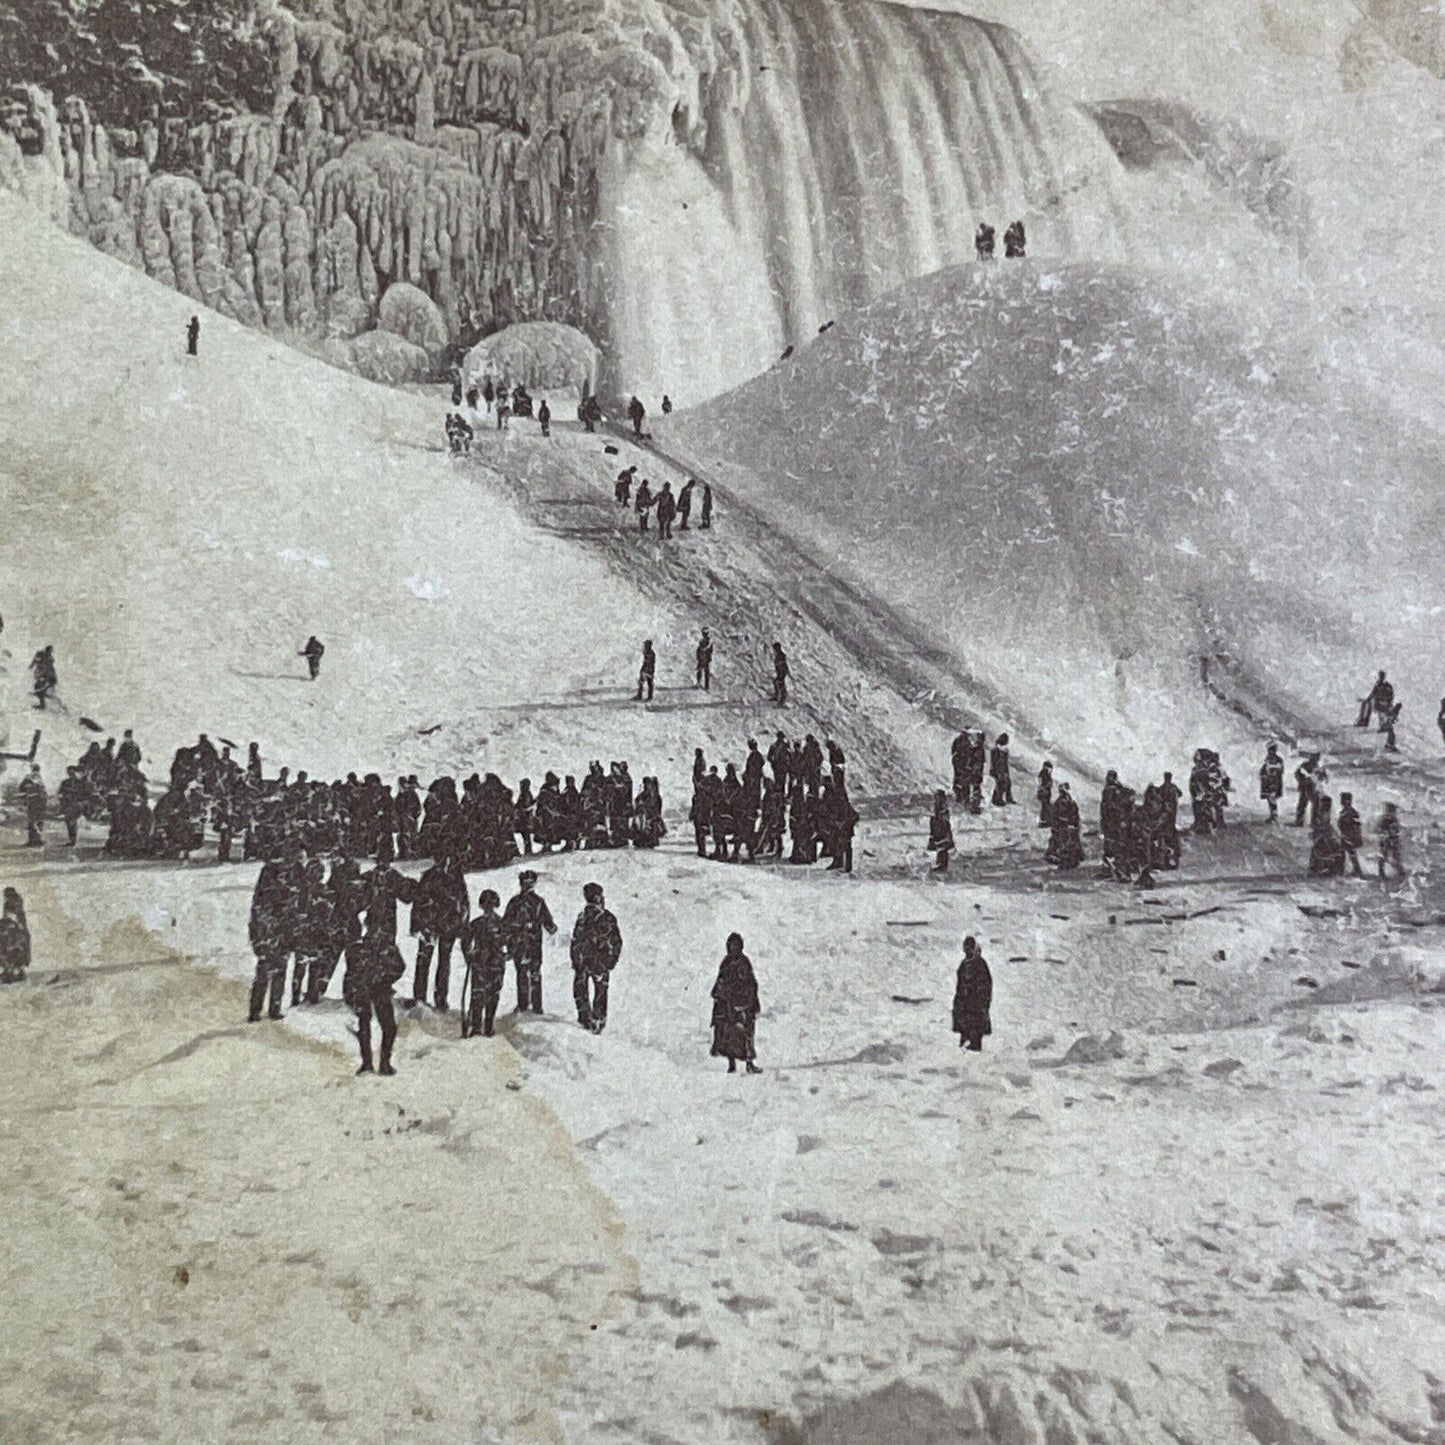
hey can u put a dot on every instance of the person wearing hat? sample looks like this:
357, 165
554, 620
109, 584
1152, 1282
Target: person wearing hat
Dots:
485, 951
596, 947
972, 998
735, 1008
526, 919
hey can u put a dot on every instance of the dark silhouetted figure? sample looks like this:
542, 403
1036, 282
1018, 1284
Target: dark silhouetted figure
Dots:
1271, 780
1066, 848
1352, 833
485, 950
34, 798
622, 492
1388, 830
1015, 242
313, 652
1044, 794
735, 1008
1379, 700
666, 512
940, 832
706, 522
998, 770
647, 673
684, 504
637, 414
667, 406
526, 919
596, 947
983, 242
1304, 780
780, 674
14, 939
704, 661
972, 998
544, 419
193, 336
44, 680
437, 918
643, 504
1327, 854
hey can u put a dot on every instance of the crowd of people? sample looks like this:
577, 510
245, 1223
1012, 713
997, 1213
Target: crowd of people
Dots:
482, 823
795, 794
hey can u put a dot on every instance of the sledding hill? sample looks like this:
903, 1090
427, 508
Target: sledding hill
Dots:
1109, 504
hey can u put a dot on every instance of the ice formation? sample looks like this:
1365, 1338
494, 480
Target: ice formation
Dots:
600, 163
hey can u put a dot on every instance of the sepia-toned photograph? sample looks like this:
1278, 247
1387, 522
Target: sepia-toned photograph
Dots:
722, 722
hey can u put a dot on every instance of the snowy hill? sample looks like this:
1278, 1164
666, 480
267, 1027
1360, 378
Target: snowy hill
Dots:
1095, 493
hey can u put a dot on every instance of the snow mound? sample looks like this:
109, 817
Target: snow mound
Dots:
1147, 524
408, 312
540, 355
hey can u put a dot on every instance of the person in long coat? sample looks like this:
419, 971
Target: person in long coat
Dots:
998, 770
1044, 793
1327, 855
735, 1008
596, 947
1065, 848
14, 939
940, 832
972, 998
484, 946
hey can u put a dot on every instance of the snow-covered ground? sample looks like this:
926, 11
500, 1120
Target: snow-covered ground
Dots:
1221, 1224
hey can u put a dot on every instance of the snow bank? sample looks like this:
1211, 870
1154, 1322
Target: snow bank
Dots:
540, 355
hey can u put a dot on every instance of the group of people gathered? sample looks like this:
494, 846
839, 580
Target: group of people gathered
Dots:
1337, 838
796, 791
671, 508
484, 824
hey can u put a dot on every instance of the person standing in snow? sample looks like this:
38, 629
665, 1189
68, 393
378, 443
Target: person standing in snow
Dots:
544, 418
622, 492
666, 405
972, 998
647, 673
1378, 700
684, 512
1044, 793
484, 948
998, 770
437, 918
14, 938
638, 414
704, 661
706, 522
983, 241
1352, 833
313, 652
526, 919
489, 391
596, 947
1305, 785
193, 336
33, 795
666, 512
780, 674
1271, 780
1015, 242
43, 675
643, 504
735, 1008
1388, 830
940, 832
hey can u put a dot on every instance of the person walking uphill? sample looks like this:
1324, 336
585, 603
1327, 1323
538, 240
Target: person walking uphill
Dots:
313, 652
735, 1008
596, 947
526, 919
637, 414
972, 998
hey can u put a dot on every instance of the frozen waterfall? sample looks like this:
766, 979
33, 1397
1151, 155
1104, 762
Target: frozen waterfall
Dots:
841, 148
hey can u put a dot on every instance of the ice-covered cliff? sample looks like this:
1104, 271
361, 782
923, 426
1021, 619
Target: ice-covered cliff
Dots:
695, 184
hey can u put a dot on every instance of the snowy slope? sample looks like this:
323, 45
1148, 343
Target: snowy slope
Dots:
1090, 489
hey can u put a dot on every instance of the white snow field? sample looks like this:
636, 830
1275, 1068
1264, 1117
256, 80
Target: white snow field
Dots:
1190, 1192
